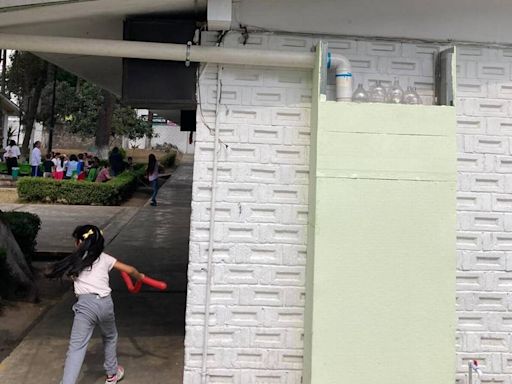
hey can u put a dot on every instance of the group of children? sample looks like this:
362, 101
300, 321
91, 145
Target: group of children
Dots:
82, 166
60, 166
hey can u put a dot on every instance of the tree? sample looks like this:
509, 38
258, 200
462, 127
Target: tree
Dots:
65, 95
17, 265
83, 107
93, 112
126, 123
104, 128
26, 78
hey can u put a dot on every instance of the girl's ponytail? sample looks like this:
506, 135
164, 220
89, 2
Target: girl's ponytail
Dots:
90, 246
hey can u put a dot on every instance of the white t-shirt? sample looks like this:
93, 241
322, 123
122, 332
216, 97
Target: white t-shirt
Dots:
59, 165
154, 174
95, 278
13, 151
35, 159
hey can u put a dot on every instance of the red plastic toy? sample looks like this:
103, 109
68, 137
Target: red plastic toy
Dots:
162, 285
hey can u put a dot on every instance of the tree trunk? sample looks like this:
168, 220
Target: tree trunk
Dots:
17, 264
104, 129
31, 112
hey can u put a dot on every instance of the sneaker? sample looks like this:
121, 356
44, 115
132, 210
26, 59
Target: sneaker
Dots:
117, 377
153, 203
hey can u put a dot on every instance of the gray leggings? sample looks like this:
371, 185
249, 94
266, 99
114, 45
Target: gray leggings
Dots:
91, 310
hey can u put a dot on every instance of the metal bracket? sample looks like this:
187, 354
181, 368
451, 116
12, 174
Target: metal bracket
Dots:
187, 59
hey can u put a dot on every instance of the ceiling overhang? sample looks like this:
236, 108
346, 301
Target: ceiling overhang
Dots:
451, 21
101, 19
22, 12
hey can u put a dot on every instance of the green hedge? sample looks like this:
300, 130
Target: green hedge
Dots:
83, 192
168, 160
25, 227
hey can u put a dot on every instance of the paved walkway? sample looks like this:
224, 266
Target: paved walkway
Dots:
58, 221
150, 324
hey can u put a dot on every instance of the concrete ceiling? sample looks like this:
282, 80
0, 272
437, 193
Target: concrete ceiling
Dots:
86, 18
485, 21
18, 12
437, 20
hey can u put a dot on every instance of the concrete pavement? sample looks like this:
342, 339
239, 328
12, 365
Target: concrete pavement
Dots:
58, 222
150, 324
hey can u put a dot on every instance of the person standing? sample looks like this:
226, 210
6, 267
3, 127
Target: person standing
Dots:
81, 163
59, 166
11, 156
152, 175
48, 166
71, 167
35, 159
116, 162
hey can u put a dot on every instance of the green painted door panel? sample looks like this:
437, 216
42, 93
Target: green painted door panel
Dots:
380, 282
384, 295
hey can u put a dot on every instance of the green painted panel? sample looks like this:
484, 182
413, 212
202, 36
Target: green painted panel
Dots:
386, 118
308, 315
386, 141
385, 156
380, 288
384, 292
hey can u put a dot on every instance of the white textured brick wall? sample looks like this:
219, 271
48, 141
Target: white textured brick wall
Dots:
484, 242
257, 311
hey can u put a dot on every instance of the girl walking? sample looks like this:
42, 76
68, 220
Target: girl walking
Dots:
152, 175
89, 267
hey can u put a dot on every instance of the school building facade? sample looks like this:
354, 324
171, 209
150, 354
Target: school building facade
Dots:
350, 242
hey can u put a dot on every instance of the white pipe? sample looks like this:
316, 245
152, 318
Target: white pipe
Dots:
181, 52
156, 51
343, 76
213, 202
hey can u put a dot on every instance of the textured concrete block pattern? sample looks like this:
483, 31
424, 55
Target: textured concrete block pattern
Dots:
484, 204
259, 254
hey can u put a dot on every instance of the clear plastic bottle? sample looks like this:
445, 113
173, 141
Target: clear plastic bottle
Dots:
395, 94
378, 93
360, 95
411, 96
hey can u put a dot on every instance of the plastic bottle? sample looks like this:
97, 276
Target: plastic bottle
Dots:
411, 96
395, 94
360, 95
378, 93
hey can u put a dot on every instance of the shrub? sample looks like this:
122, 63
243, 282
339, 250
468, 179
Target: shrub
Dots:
75, 192
25, 168
168, 160
25, 227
